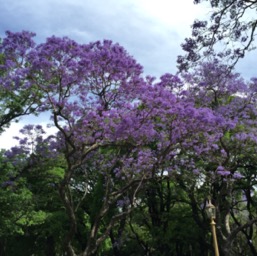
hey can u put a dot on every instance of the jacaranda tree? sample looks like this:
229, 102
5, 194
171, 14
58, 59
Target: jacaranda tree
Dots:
123, 141
230, 164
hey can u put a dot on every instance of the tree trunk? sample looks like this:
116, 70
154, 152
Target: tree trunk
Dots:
50, 246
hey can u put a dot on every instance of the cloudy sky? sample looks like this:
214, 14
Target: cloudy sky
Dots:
150, 30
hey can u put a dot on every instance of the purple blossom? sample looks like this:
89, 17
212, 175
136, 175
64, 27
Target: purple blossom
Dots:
8, 183
237, 175
196, 171
222, 171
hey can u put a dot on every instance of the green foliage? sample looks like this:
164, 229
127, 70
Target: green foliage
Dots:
30, 209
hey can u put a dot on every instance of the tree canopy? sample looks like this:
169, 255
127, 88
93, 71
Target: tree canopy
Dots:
133, 159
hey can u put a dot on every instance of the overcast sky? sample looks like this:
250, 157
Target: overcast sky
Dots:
150, 30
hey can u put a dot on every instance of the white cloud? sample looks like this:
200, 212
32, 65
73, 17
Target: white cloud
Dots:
173, 14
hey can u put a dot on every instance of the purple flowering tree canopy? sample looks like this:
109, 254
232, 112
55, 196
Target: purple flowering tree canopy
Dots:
117, 129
